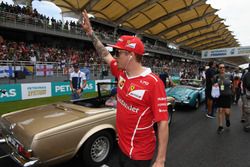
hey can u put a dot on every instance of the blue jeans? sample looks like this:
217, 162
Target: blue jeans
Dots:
75, 96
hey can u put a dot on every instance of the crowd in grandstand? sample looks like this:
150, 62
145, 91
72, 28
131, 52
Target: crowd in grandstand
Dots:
40, 52
104, 31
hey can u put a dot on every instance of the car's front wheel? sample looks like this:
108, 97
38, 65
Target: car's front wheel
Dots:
97, 149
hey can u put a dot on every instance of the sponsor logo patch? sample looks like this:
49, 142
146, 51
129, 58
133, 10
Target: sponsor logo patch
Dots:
120, 40
144, 82
132, 88
160, 110
162, 104
138, 94
131, 45
121, 82
127, 106
162, 98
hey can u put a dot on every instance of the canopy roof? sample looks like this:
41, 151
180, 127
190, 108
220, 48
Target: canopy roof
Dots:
187, 23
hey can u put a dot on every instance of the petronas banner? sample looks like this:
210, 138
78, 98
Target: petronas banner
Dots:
226, 52
15, 92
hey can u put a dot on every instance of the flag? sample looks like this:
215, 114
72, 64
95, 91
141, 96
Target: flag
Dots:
28, 70
8, 71
44, 70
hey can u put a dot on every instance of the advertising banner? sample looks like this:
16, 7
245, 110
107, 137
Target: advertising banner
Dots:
13, 92
36, 90
226, 52
60, 88
90, 87
63, 88
16, 92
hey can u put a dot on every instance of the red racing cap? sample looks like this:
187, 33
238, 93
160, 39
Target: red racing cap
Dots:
130, 43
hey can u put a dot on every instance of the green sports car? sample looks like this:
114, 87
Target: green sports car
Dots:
190, 92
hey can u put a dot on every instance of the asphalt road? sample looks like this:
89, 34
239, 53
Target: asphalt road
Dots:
194, 143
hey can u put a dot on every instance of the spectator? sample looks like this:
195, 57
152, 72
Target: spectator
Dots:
77, 82
166, 79
236, 86
224, 101
86, 71
246, 100
210, 72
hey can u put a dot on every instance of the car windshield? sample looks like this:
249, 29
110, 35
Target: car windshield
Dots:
105, 88
191, 82
104, 91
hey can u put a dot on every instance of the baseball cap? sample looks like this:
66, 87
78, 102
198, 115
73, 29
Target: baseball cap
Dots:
130, 43
76, 65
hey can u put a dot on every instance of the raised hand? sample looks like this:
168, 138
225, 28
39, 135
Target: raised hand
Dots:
86, 23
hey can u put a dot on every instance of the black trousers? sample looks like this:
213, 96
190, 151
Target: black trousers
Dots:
236, 95
125, 161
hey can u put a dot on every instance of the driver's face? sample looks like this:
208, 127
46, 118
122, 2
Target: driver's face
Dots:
122, 57
76, 69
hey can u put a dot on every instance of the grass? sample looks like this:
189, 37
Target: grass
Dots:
17, 105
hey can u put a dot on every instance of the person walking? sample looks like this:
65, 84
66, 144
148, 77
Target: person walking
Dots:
210, 72
236, 86
246, 100
166, 79
77, 82
141, 101
224, 101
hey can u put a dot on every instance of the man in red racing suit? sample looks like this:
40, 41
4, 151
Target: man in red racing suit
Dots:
141, 101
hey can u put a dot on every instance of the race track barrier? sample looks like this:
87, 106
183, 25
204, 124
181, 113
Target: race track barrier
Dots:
15, 92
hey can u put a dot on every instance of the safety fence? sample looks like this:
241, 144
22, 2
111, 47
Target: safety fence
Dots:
30, 72
48, 71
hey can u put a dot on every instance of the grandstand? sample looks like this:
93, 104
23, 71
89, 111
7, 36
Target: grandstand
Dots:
44, 48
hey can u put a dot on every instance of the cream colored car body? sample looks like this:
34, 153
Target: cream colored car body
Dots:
55, 132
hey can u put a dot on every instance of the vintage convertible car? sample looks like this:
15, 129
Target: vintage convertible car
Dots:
54, 133
190, 92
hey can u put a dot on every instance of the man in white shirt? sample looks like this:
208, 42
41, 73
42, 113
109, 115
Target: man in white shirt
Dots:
77, 82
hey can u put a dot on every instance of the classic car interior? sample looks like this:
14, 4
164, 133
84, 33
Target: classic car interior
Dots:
104, 93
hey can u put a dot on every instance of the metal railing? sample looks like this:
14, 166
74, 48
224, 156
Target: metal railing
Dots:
61, 72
